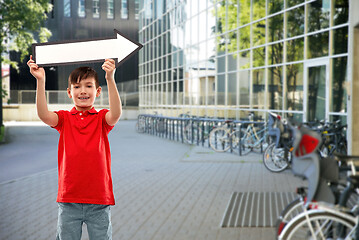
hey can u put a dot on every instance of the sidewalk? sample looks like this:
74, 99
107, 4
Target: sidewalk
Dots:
164, 190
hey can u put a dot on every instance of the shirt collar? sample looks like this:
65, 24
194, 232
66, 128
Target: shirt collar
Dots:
75, 111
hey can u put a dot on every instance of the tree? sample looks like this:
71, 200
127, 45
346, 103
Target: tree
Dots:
21, 23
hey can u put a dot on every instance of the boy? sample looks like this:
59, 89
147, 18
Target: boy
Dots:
85, 190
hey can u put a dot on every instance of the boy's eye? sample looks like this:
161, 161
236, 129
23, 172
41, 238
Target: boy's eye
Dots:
76, 86
89, 86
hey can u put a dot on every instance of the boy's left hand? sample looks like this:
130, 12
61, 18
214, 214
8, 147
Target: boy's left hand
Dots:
110, 68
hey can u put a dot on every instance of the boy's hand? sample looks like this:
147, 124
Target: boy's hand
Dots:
109, 67
35, 70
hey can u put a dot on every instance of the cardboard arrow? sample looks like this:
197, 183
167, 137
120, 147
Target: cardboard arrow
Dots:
119, 48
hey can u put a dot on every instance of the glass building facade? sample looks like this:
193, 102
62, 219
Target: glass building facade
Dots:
226, 58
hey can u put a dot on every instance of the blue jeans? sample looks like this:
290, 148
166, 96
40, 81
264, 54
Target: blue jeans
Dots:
71, 216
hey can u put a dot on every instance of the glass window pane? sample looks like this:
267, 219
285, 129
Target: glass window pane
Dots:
232, 42
137, 8
195, 31
232, 89
259, 9
203, 31
232, 62
291, 3
316, 92
275, 6
221, 64
275, 31
96, 8
81, 8
259, 31
67, 8
275, 53
124, 9
187, 94
340, 40
211, 90
318, 16
244, 12
244, 37
341, 11
174, 59
258, 89
295, 50
220, 89
275, 88
259, 56
244, 58
244, 86
295, 22
338, 90
110, 14
294, 94
318, 45
232, 16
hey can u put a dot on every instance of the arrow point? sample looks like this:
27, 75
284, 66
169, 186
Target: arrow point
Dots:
125, 47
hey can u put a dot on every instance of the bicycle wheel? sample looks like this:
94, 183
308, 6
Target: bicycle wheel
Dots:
274, 160
293, 209
140, 125
235, 139
246, 142
219, 139
317, 224
192, 134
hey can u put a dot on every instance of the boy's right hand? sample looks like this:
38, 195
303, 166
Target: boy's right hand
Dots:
35, 70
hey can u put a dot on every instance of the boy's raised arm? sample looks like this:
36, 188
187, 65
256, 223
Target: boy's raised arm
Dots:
114, 114
48, 117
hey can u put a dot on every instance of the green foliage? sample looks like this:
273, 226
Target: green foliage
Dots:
3, 93
2, 133
19, 20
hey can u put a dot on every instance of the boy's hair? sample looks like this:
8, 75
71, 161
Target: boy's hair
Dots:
82, 73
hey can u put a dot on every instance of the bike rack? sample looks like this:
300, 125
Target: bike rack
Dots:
172, 127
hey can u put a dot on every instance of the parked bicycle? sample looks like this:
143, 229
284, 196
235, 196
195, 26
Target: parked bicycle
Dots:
255, 136
277, 156
334, 139
323, 220
233, 135
225, 137
315, 220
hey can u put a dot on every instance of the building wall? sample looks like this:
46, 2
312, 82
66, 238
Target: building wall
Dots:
286, 56
353, 72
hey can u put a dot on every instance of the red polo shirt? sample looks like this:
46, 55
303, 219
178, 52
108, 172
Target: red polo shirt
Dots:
84, 160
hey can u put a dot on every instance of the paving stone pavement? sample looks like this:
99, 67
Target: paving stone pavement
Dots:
164, 190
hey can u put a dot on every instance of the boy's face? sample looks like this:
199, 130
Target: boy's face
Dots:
84, 93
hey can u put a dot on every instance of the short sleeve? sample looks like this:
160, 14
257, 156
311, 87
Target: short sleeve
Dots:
60, 124
104, 123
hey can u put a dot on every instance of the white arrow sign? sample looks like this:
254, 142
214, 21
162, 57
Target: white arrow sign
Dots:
85, 51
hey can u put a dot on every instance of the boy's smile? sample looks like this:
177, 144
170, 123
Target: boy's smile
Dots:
84, 93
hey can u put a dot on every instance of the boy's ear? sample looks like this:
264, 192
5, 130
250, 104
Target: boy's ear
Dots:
69, 92
98, 91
